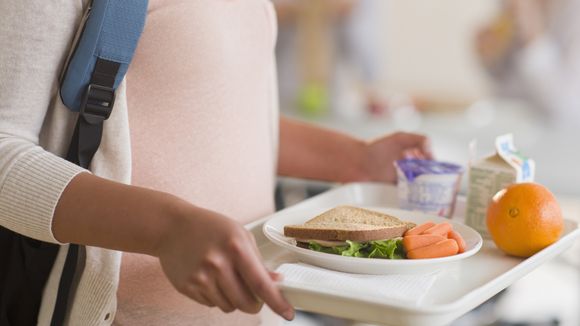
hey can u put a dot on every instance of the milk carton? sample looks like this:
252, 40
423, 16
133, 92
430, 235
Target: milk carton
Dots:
491, 174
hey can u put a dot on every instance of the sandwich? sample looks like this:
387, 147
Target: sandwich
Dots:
352, 231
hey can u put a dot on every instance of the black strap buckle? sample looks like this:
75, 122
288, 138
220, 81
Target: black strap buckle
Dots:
97, 103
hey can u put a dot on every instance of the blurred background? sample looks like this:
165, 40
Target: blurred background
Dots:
455, 71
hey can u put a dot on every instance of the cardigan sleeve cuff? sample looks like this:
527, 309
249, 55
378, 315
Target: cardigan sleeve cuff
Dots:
31, 192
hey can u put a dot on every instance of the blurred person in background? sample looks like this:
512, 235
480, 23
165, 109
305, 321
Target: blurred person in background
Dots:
322, 43
532, 52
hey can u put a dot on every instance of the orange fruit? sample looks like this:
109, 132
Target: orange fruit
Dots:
524, 218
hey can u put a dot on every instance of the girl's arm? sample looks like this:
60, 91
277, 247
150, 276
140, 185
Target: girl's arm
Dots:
311, 152
206, 256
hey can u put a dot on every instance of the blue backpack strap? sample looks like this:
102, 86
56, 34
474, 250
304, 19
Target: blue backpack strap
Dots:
103, 53
95, 70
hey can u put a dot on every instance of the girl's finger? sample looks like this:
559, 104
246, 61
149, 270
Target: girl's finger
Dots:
276, 277
192, 292
204, 300
416, 153
215, 295
252, 239
427, 150
260, 283
237, 293
408, 154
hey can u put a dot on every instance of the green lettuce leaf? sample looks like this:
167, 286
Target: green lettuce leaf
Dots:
388, 249
316, 247
352, 250
385, 249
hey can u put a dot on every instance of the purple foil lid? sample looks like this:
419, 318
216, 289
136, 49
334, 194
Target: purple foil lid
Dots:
413, 168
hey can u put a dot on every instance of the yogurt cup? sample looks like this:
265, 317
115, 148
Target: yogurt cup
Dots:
428, 186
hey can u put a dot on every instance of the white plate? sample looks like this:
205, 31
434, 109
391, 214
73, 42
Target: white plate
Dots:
274, 230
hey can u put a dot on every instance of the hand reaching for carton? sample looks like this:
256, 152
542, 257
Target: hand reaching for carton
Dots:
383, 152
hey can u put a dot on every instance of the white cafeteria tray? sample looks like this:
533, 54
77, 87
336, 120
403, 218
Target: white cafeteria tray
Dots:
458, 289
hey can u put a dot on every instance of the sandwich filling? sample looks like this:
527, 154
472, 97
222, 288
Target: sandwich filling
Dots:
386, 249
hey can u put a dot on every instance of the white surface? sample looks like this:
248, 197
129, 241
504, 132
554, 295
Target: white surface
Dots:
455, 292
274, 230
383, 288
550, 292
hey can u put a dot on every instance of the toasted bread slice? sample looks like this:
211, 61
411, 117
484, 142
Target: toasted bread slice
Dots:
349, 223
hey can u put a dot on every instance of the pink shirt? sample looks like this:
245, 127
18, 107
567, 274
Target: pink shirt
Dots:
203, 117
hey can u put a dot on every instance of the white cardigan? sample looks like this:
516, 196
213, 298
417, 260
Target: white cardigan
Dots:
35, 130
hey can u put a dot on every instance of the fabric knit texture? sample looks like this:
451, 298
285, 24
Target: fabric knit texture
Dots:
35, 131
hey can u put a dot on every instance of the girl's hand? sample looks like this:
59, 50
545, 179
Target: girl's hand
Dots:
381, 154
215, 261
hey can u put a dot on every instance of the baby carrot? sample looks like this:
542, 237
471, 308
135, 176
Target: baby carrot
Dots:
458, 238
420, 228
440, 229
443, 248
412, 242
